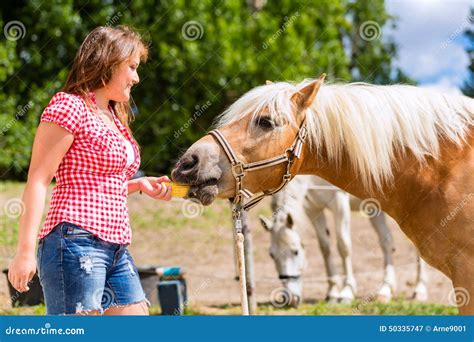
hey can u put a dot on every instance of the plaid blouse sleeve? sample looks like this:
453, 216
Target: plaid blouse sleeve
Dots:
65, 111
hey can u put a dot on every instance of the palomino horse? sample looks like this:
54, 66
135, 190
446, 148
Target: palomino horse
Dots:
406, 147
309, 196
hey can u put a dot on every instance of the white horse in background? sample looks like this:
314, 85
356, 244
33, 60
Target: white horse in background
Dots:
313, 195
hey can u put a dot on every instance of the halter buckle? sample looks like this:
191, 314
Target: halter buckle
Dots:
302, 133
236, 212
238, 170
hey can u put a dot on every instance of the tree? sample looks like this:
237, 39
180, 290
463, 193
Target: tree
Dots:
203, 55
40, 40
373, 54
468, 87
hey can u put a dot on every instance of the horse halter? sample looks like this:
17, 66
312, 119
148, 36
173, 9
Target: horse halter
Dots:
285, 277
239, 169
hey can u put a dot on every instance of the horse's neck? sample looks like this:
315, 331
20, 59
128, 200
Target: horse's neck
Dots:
413, 183
342, 176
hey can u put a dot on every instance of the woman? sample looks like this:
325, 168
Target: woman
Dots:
84, 141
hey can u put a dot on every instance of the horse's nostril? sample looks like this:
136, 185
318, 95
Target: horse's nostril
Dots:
189, 162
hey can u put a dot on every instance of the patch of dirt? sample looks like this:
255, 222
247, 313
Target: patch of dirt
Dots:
208, 260
203, 246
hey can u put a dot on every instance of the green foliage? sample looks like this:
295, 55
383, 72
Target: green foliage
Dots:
371, 56
35, 69
203, 55
398, 306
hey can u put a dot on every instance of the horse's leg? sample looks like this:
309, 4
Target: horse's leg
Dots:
342, 218
421, 292
389, 285
462, 294
462, 275
322, 231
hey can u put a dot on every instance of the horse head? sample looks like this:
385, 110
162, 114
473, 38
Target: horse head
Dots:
263, 123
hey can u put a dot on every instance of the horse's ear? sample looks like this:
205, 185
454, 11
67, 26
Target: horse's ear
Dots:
266, 223
305, 96
267, 82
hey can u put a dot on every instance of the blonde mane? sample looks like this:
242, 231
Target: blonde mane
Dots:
370, 123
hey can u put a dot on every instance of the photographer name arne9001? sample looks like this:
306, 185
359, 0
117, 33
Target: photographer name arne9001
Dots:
422, 328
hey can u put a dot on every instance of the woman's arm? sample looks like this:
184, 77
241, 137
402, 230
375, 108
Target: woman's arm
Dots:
51, 144
133, 185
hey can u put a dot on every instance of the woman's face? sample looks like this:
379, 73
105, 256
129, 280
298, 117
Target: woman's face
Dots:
124, 77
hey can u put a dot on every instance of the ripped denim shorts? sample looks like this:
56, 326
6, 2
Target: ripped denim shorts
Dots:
80, 272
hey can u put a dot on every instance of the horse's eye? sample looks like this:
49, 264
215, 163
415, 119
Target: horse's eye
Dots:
295, 253
265, 123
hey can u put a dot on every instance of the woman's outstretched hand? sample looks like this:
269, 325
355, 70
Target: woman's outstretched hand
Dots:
153, 187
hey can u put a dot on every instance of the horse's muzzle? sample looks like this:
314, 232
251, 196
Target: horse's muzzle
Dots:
191, 170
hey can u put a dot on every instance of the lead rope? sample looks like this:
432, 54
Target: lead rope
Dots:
238, 171
239, 247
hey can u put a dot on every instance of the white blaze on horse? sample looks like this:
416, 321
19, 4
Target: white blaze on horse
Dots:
309, 196
407, 147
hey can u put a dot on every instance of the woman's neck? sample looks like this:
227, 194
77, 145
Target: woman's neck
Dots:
101, 99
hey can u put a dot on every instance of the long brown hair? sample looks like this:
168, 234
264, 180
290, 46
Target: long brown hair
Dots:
104, 49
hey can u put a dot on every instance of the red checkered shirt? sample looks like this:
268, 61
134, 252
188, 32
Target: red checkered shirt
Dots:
91, 181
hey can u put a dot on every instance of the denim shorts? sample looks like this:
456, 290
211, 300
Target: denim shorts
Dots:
80, 272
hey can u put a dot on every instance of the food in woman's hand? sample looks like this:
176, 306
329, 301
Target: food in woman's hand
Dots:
178, 190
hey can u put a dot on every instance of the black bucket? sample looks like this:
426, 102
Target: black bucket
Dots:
149, 280
173, 297
33, 297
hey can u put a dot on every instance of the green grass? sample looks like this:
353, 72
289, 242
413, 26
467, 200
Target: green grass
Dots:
319, 309
9, 212
24, 310
358, 307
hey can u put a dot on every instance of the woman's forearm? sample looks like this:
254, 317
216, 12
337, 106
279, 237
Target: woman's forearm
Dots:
34, 197
133, 185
